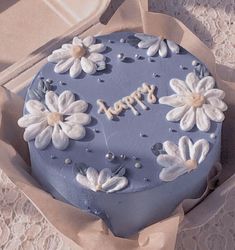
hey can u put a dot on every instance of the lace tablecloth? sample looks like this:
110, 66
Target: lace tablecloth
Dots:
22, 226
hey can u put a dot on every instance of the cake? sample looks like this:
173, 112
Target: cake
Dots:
124, 126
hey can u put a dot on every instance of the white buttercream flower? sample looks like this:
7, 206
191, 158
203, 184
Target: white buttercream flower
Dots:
60, 118
103, 181
155, 44
80, 55
181, 159
195, 102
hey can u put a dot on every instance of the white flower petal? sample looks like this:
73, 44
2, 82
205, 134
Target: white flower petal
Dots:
218, 93
171, 148
144, 37
58, 50
163, 49
202, 121
188, 120
104, 175
172, 100
174, 48
185, 148
179, 87
75, 69
173, 172
79, 106
33, 130
35, 107
44, 138
114, 184
77, 41
177, 113
200, 150
65, 99
205, 84
99, 47
66, 46
63, 65
92, 175
216, 102
213, 113
51, 100
73, 131
29, 119
88, 41
192, 81
153, 49
168, 161
100, 65
81, 179
59, 139
56, 56
96, 57
174, 166
146, 43
79, 118
88, 66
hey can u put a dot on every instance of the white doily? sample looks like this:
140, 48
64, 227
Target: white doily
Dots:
213, 21
216, 234
22, 227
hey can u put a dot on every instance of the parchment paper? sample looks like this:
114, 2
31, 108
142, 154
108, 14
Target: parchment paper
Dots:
84, 230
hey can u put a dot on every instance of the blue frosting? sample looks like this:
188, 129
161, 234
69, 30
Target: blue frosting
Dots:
146, 199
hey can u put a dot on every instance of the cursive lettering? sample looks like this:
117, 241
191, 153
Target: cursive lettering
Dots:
128, 102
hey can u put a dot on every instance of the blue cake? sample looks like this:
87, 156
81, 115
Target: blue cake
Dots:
125, 126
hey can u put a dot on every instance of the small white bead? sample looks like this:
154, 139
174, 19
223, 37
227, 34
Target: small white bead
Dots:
137, 56
100, 80
110, 156
67, 161
195, 63
120, 56
138, 164
212, 136
123, 157
150, 59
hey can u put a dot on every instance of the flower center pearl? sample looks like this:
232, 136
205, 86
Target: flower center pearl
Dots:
98, 187
54, 118
78, 51
196, 100
191, 165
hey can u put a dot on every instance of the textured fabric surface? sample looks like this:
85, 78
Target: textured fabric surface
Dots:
22, 227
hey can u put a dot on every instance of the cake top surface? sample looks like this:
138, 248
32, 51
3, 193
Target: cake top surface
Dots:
141, 81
